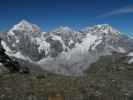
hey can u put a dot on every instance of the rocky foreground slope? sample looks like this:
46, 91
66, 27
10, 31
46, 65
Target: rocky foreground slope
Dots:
110, 78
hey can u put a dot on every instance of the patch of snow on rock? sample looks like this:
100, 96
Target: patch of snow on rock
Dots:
121, 50
130, 54
130, 61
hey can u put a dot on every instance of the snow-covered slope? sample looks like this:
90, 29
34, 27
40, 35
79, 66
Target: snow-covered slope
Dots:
64, 50
130, 55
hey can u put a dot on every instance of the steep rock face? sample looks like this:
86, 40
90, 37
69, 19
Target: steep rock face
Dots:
17, 63
18, 39
7, 62
56, 45
26, 38
69, 36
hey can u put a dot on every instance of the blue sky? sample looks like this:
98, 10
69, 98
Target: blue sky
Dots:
49, 14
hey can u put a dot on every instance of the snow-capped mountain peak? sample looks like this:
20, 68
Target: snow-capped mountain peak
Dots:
101, 29
24, 26
25, 22
63, 29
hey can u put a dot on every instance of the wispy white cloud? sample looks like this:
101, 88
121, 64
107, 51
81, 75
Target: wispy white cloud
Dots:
123, 10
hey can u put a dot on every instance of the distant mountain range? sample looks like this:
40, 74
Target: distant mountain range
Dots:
64, 50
